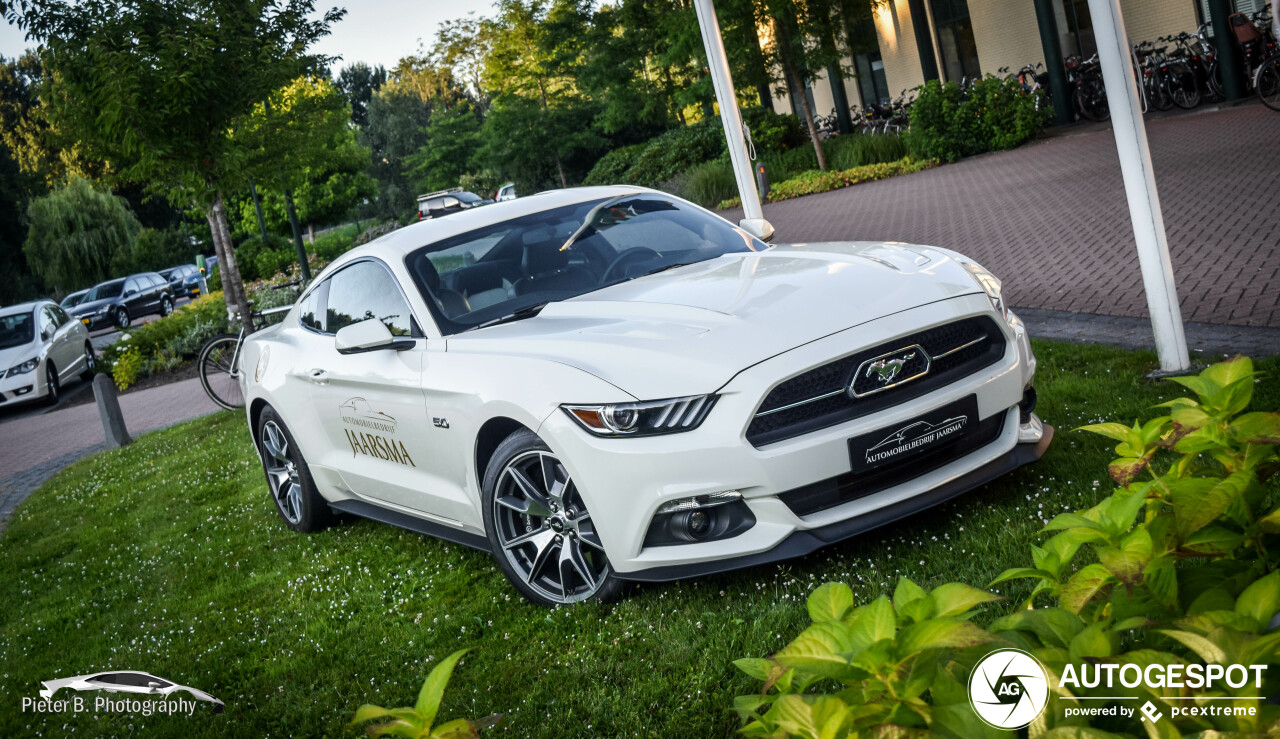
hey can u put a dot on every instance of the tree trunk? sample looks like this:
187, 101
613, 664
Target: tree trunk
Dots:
297, 235
311, 233
232, 287
798, 86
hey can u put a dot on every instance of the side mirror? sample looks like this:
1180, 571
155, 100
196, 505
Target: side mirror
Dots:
45, 334
129, 292
368, 336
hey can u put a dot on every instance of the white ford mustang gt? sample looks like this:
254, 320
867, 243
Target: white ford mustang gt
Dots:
609, 384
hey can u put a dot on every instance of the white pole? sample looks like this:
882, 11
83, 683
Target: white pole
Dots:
732, 120
1114, 53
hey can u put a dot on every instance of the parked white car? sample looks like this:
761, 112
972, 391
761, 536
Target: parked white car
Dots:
609, 384
126, 681
40, 348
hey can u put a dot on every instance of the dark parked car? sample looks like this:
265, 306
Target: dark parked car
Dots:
118, 302
444, 202
184, 280
73, 299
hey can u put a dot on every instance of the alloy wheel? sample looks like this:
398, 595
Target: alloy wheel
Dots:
282, 472
51, 383
122, 318
545, 530
165, 307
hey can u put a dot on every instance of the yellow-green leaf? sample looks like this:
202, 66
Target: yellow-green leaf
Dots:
433, 688
830, 601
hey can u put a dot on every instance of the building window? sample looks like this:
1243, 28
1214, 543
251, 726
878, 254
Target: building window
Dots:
872, 84
955, 39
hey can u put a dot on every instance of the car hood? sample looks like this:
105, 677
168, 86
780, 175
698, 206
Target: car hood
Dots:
14, 355
691, 329
91, 307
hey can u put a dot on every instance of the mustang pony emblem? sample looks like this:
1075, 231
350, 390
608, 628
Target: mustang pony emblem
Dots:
887, 369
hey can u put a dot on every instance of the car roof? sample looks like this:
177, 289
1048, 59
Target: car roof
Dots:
26, 307
404, 240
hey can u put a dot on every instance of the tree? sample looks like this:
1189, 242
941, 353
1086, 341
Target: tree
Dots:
298, 136
797, 62
75, 233
154, 87
453, 138
358, 82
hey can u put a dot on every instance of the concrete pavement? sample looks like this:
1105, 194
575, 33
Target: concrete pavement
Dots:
1051, 219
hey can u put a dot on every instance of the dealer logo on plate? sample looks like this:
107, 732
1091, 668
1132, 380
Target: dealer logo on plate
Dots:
1008, 689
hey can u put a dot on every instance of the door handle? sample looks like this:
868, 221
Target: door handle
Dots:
319, 376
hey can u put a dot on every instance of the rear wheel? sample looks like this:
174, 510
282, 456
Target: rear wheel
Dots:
219, 366
166, 307
90, 363
288, 478
1181, 81
51, 383
539, 528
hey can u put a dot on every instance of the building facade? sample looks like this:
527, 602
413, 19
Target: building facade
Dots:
954, 39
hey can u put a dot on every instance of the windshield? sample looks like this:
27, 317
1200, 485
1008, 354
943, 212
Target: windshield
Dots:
17, 329
72, 300
524, 263
105, 290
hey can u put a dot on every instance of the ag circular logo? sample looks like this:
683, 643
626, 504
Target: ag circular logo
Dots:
1008, 689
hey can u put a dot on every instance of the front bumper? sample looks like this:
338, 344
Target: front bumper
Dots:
24, 387
93, 322
624, 481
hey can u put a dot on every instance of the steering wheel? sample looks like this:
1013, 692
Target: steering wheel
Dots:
628, 255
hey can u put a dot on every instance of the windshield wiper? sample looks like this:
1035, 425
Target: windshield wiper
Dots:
517, 315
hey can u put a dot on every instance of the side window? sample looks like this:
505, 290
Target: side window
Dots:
362, 291
59, 315
131, 284
47, 322
310, 313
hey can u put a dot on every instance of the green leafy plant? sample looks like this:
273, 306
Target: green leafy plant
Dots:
1183, 572
419, 721
994, 114
887, 657
126, 369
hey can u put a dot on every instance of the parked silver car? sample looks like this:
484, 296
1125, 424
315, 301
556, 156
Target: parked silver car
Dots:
40, 348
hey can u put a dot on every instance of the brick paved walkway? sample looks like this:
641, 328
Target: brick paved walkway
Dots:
33, 449
1051, 218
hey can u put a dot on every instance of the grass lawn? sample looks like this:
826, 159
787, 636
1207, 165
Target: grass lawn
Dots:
167, 556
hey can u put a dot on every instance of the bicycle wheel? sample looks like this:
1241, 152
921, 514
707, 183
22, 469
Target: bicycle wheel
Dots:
1158, 91
1268, 83
1091, 100
220, 373
1181, 82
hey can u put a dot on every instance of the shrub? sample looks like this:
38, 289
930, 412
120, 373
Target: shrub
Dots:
995, 114
1183, 572
705, 184
856, 150
773, 131
167, 342
612, 167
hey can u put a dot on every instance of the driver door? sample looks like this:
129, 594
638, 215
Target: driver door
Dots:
371, 405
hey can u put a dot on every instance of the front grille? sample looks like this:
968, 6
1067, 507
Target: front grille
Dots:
834, 491
819, 398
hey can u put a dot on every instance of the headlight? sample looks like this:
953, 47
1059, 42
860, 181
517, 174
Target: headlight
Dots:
104, 310
643, 419
22, 369
991, 286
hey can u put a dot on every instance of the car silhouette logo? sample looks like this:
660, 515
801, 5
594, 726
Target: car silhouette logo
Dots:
357, 411
126, 681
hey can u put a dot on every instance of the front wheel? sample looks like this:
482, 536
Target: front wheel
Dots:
219, 365
122, 318
539, 528
51, 383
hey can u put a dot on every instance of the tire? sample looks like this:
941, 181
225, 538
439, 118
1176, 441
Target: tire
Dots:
1268, 83
90, 363
289, 482
221, 380
166, 307
122, 318
51, 384
1182, 87
524, 476
1158, 93
1091, 101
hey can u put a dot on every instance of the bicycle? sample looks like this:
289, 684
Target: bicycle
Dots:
219, 360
